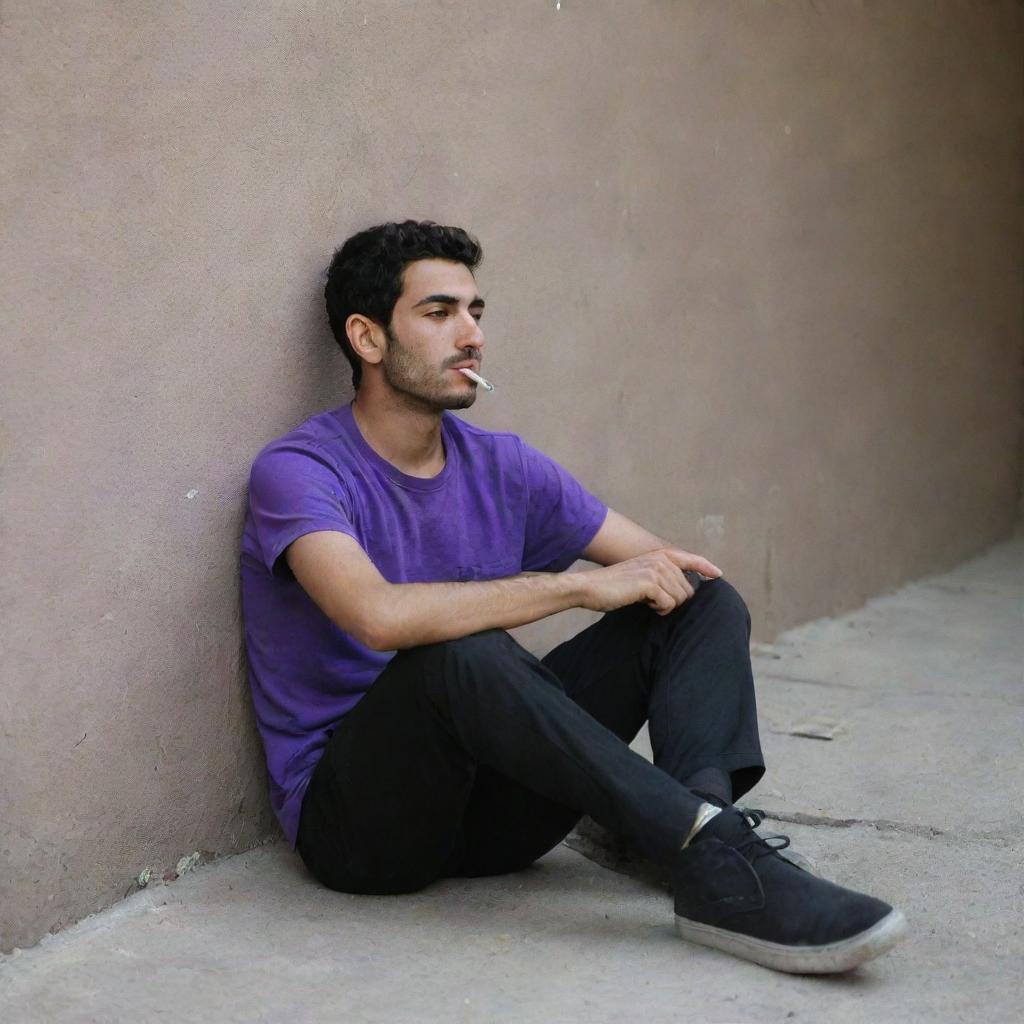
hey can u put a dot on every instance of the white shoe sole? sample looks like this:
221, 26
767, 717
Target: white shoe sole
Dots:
832, 958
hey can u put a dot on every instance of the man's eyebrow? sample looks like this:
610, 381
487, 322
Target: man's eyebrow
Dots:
450, 300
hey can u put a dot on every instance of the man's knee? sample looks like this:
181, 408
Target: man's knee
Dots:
724, 598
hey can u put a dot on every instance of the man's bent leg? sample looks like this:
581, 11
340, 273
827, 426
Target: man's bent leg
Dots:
484, 701
688, 673
512, 716
703, 714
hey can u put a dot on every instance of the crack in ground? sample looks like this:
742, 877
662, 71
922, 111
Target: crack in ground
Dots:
882, 824
1001, 836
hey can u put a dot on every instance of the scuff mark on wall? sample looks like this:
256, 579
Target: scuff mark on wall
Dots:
711, 528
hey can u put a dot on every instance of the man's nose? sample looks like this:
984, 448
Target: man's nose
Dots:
471, 334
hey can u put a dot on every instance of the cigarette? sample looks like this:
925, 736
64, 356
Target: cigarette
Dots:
476, 376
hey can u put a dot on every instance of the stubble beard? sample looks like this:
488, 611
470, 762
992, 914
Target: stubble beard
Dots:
416, 382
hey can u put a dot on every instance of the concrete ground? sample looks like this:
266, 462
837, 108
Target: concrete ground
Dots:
916, 798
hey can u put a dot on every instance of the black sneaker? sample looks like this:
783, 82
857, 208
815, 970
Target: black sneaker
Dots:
735, 893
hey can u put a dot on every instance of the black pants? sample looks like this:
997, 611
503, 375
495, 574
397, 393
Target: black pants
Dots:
473, 757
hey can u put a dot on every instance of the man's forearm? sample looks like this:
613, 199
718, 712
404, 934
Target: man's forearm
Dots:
412, 614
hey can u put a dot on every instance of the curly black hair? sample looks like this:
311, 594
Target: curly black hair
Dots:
365, 274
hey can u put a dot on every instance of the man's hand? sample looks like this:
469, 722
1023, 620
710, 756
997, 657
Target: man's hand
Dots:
656, 577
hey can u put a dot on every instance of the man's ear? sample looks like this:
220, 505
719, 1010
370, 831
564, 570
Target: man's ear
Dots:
365, 337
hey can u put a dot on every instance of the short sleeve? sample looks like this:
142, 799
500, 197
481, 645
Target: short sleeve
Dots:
295, 490
562, 516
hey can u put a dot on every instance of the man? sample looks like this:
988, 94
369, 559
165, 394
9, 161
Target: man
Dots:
389, 546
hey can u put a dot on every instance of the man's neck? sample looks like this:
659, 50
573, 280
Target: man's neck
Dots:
407, 437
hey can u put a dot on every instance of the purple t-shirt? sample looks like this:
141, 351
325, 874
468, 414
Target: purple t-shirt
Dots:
499, 507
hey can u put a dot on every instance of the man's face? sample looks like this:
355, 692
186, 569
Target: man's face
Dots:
435, 326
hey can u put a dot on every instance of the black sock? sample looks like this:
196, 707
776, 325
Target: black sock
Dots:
713, 784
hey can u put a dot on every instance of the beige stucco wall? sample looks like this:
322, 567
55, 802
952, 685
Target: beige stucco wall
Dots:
752, 271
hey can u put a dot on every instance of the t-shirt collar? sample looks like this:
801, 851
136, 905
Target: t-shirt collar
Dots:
391, 472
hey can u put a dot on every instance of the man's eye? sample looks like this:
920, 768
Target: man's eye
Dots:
438, 312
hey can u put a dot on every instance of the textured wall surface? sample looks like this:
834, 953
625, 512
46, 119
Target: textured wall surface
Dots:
753, 274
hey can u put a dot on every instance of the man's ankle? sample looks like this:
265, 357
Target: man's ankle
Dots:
705, 813
713, 784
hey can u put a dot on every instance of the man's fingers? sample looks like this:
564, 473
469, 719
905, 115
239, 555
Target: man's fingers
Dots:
664, 597
675, 585
678, 597
687, 560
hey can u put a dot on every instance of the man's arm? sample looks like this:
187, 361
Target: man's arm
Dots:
620, 538
348, 588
